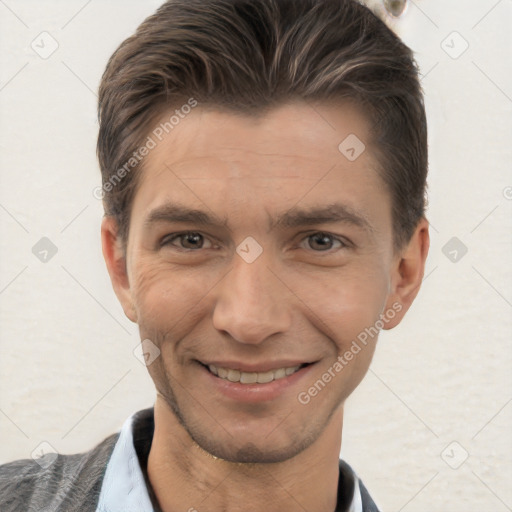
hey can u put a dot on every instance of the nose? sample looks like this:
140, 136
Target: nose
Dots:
251, 303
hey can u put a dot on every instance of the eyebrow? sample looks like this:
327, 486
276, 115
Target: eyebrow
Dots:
330, 214
294, 217
173, 212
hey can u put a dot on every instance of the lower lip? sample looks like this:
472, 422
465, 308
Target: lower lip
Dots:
252, 393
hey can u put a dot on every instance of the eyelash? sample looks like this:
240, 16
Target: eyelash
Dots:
167, 239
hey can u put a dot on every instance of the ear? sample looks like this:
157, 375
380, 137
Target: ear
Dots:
115, 258
407, 273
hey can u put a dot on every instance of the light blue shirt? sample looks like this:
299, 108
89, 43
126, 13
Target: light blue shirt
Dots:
124, 488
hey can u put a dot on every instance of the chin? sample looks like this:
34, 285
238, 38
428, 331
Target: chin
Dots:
250, 452
246, 438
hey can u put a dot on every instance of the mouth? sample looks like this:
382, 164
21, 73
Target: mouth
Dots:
252, 383
253, 377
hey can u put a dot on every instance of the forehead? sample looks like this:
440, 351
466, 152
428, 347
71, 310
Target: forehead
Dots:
310, 133
294, 150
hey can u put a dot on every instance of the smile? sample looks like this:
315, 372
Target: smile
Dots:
253, 377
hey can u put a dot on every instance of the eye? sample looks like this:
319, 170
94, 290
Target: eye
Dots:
187, 241
323, 242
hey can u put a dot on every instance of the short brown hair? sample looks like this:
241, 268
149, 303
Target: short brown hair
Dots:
248, 56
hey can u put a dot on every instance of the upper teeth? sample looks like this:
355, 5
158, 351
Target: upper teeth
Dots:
251, 377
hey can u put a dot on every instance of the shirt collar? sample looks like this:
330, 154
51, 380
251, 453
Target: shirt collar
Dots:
357, 502
124, 488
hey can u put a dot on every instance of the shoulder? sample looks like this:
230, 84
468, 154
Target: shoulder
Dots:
55, 480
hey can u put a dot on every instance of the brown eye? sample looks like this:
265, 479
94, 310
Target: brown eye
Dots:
192, 241
187, 241
323, 242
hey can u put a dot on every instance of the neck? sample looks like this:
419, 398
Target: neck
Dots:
186, 478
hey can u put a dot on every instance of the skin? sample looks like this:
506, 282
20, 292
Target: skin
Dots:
305, 297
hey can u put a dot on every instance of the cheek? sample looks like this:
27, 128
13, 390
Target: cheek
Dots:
167, 299
344, 309
343, 305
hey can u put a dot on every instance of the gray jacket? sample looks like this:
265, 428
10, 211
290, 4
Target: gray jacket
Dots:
71, 483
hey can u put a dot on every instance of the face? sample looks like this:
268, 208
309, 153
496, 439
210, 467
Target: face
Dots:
259, 252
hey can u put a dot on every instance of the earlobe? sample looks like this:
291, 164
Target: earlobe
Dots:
115, 260
408, 272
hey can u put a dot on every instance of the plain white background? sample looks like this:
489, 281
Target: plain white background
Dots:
429, 427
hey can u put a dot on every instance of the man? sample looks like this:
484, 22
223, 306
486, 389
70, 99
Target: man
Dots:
264, 166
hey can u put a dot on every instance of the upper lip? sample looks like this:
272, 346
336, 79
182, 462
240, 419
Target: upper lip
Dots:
256, 367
